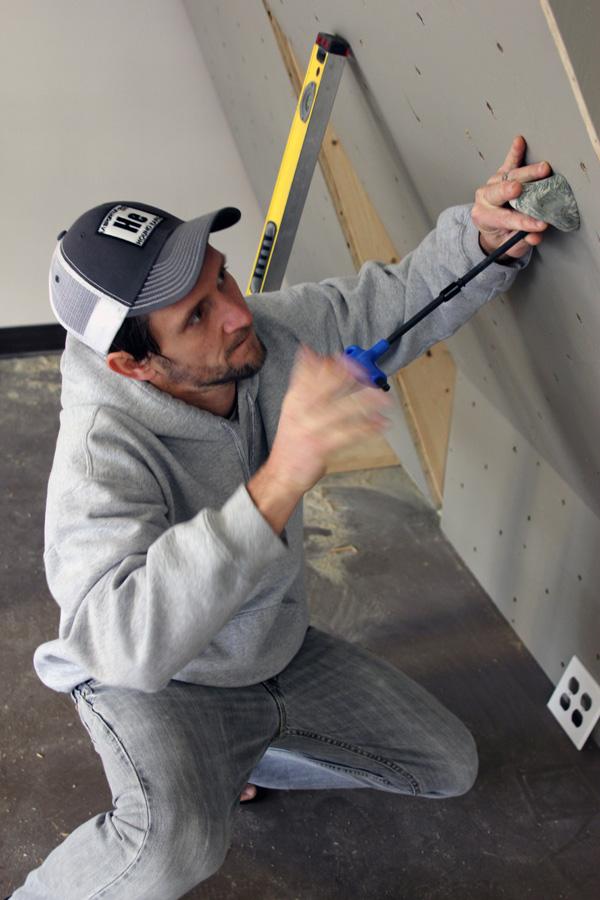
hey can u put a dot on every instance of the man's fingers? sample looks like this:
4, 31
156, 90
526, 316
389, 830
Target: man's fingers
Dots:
323, 376
524, 174
349, 433
495, 220
366, 406
499, 193
357, 372
364, 403
532, 240
515, 155
500, 219
531, 173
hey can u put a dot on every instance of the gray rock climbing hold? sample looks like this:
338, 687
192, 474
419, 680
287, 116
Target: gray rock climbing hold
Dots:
550, 199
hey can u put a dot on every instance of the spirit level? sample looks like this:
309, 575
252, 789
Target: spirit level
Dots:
298, 162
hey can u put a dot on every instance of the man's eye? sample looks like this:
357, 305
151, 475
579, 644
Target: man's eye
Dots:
197, 314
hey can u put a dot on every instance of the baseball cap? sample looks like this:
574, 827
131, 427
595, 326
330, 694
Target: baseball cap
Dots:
126, 259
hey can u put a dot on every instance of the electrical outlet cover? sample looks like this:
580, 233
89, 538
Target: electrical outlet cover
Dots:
575, 702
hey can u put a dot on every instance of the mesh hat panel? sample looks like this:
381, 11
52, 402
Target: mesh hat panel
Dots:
89, 315
73, 304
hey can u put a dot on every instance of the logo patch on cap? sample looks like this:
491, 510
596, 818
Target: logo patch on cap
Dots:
129, 224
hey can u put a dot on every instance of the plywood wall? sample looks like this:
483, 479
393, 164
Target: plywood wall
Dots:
426, 112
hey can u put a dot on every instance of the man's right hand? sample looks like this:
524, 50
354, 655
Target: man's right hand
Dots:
325, 409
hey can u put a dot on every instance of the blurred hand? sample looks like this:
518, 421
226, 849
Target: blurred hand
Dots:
324, 410
496, 222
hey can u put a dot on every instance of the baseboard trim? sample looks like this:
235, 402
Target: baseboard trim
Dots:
24, 339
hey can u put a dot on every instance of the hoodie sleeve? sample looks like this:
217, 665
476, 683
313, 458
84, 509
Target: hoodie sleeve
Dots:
364, 308
140, 597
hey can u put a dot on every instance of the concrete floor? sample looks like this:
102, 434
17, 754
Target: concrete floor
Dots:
379, 573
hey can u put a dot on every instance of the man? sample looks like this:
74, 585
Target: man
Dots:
174, 533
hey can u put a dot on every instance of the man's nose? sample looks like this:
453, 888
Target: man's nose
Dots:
236, 315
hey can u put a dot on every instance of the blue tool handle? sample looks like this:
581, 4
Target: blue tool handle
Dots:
366, 359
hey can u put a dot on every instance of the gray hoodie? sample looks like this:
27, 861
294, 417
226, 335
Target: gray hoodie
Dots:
161, 564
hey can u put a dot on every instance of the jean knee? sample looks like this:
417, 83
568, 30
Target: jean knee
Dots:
450, 764
463, 764
191, 845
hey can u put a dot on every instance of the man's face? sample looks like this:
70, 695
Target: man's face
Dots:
206, 339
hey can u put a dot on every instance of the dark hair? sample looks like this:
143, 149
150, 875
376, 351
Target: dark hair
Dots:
134, 337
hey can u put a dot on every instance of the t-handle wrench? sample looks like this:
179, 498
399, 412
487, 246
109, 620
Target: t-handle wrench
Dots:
367, 359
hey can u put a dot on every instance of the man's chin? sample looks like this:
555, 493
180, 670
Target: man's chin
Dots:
249, 368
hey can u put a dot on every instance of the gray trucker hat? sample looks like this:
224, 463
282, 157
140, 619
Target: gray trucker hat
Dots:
126, 259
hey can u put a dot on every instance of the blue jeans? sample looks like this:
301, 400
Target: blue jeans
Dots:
177, 760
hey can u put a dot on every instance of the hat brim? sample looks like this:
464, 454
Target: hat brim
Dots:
177, 267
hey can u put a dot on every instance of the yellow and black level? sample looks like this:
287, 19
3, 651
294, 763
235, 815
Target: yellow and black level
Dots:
298, 162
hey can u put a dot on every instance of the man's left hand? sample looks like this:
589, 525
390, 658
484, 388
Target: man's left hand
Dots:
497, 223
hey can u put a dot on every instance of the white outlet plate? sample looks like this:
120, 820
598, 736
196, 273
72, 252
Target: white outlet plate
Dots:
575, 702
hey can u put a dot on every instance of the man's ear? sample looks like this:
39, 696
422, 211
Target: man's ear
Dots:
124, 364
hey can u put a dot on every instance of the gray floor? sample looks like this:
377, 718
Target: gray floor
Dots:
380, 573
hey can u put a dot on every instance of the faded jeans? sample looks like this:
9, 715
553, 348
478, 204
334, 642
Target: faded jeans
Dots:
177, 760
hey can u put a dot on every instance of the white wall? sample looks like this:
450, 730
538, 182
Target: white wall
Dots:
106, 100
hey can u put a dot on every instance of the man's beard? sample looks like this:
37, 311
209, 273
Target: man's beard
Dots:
218, 374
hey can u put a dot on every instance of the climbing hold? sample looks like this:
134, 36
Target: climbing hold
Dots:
550, 199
